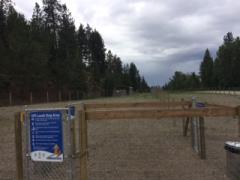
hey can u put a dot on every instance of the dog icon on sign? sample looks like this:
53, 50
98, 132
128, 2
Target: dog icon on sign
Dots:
57, 150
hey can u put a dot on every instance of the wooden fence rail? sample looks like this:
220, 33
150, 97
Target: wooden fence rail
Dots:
149, 104
158, 113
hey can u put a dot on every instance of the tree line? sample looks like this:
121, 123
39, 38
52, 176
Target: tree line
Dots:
223, 72
49, 53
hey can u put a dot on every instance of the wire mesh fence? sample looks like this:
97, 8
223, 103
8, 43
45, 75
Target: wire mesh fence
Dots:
34, 97
40, 170
195, 134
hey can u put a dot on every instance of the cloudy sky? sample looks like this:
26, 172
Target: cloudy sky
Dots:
159, 36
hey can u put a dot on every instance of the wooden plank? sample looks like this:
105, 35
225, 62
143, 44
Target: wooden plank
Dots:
47, 96
150, 104
192, 132
83, 144
216, 105
10, 98
18, 146
59, 96
86, 128
73, 137
202, 138
183, 124
158, 113
185, 120
31, 98
69, 96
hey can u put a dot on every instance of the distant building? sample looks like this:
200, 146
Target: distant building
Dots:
120, 92
130, 90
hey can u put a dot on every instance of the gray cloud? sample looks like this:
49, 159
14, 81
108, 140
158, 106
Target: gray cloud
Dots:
159, 36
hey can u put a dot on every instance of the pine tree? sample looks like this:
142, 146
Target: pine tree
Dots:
97, 61
206, 70
193, 81
46, 53
52, 10
87, 58
80, 80
217, 74
113, 73
134, 76
228, 38
236, 63
18, 61
52, 18
225, 56
38, 49
227, 63
4, 6
4, 46
66, 52
82, 44
144, 86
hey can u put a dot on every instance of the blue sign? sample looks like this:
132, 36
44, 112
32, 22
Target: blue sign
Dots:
200, 105
46, 137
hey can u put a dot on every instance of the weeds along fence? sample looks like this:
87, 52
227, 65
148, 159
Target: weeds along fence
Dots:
191, 114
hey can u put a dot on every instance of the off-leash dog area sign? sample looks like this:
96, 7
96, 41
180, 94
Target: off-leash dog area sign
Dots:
47, 144
46, 136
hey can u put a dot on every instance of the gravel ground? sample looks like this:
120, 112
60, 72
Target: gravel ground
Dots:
155, 149
140, 149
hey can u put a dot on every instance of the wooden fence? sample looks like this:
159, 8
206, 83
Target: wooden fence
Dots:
133, 110
13, 98
147, 110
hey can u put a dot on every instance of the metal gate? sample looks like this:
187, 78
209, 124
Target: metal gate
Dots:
48, 127
195, 124
197, 131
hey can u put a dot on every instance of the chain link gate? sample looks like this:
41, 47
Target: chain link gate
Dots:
197, 131
195, 124
36, 169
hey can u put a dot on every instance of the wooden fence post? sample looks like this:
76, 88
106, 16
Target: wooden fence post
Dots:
31, 98
86, 128
185, 121
69, 96
183, 124
18, 146
10, 98
202, 138
192, 132
193, 106
47, 96
78, 97
59, 96
73, 137
83, 144
185, 130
